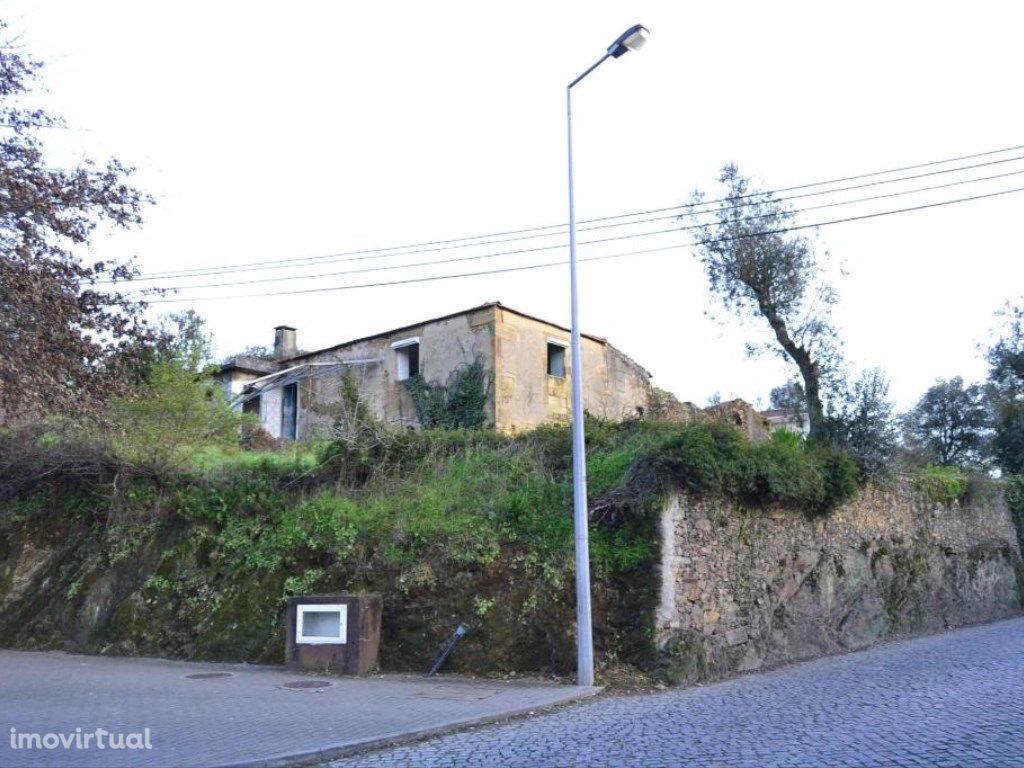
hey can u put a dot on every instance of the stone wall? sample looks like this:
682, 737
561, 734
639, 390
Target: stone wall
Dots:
445, 346
513, 350
746, 589
614, 386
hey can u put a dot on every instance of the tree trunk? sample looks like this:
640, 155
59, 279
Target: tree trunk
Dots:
808, 371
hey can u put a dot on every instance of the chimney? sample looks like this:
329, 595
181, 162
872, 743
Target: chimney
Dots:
284, 342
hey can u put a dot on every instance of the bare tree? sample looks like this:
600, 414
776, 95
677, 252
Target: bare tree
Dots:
755, 267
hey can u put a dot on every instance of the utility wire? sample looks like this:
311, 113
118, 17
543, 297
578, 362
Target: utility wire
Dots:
671, 230
562, 262
439, 245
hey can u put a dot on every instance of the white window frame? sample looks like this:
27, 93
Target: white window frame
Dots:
340, 608
402, 360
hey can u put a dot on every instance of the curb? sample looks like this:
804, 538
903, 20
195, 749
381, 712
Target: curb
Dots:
324, 755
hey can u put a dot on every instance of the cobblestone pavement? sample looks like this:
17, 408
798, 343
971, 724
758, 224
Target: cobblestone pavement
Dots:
231, 714
949, 700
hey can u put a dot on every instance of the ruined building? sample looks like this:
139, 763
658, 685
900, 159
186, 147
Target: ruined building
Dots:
526, 361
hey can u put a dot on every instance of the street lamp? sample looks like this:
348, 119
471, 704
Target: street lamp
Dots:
630, 40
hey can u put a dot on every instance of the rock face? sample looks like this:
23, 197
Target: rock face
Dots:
740, 589
749, 589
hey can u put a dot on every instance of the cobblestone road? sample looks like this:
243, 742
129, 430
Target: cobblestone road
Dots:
949, 700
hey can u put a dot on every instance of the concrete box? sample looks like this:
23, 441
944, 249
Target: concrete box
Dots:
336, 634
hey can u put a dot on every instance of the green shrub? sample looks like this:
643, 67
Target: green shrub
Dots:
179, 414
781, 471
706, 458
840, 476
715, 458
1014, 490
942, 485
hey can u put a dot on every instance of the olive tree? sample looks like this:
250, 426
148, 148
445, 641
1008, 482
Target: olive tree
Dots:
757, 268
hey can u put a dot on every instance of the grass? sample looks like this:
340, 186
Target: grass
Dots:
943, 485
450, 525
214, 458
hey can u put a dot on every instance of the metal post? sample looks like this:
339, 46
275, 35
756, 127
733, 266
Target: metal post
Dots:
584, 631
460, 632
584, 625
631, 39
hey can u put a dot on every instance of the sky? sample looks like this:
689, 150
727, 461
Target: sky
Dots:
272, 131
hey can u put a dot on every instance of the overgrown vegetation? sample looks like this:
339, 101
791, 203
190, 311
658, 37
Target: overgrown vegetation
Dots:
786, 470
450, 525
178, 409
941, 484
1015, 501
456, 404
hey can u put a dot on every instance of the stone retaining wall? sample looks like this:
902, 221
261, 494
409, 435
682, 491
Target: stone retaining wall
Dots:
745, 589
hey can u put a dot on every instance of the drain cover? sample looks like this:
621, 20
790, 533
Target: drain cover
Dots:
208, 676
303, 684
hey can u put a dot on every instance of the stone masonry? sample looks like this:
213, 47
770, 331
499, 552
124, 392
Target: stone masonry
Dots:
745, 589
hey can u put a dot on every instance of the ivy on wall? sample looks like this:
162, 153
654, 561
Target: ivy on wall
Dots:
1015, 501
458, 403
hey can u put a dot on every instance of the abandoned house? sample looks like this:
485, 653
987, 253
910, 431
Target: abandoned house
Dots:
789, 419
526, 363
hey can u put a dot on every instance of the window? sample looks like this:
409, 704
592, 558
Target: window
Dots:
556, 359
322, 624
407, 355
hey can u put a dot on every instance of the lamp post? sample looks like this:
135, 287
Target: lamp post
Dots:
630, 40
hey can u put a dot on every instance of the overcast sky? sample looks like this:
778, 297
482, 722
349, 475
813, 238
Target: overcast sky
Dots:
272, 131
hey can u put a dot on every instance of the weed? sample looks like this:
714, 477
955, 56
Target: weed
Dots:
942, 485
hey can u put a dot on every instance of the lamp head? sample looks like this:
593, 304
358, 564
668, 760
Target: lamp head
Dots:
632, 39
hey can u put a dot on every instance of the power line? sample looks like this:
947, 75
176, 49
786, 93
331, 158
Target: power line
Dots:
439, 245
521, 268
361, 256
478, 257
